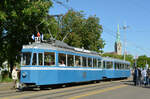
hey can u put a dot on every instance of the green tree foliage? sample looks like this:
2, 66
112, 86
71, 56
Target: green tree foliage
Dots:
51, 27
19, 19
93, 32
82, 32
143, 60
3, 52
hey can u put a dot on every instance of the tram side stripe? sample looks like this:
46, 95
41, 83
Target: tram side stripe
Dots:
55, 68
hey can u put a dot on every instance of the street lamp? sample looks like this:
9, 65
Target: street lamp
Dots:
125, 28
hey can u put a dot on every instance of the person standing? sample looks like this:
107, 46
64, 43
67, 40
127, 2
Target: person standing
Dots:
139, 77
148, 76
14, 76
144, 75
135, 76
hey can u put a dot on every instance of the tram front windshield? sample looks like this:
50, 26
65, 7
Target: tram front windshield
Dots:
26, 57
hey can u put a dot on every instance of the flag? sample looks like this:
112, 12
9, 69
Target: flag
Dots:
42, 37
38, 34
33, 37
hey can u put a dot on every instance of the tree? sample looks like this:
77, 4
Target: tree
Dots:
82, 32
3, 45
142, 61
19, 19
92, 34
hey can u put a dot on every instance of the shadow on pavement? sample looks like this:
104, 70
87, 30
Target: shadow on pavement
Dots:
51, 87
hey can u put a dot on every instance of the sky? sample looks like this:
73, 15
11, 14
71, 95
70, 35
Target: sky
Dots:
132, 13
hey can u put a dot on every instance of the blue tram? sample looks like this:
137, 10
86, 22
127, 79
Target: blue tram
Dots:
114, 68
55, 62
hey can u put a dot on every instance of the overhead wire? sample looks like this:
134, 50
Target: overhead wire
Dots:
137, 4
110, 32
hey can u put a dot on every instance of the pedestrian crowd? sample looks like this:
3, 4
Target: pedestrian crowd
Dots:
141, 76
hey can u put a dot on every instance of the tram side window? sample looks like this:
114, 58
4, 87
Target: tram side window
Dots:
94, 62
123, 66
99, 63
70, 60
127, 66
49, 58
77, 61
26, 58
83, 61
89, 62
119, 65
34, 59
62, 59
40, 59
115, 65
109, 65
104, 65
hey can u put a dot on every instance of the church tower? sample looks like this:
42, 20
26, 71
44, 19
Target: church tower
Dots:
118, 46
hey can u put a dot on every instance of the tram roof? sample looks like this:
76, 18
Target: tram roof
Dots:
113, 59
60, 46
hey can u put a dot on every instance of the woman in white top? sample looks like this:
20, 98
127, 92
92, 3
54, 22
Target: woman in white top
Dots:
144, 74
14, 76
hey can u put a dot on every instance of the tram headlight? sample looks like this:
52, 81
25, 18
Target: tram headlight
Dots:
24, 74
